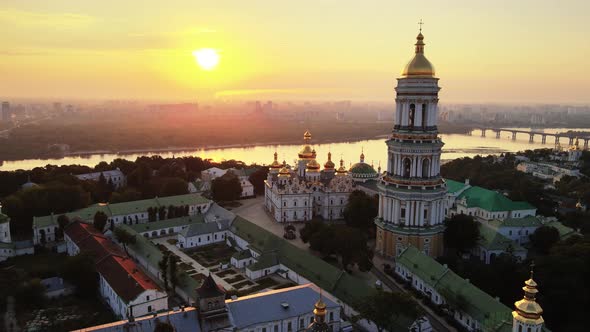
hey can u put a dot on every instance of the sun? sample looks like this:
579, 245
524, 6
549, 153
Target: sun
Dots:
207, 58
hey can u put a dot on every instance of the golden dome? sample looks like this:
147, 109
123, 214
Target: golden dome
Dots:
284, 172
313, 165
329, 164
307, 135
275, 164
419, 66
341, 170
306, 152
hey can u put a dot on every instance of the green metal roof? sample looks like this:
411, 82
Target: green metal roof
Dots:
528, 221
456, 290
363, 168
180, 200
124, 208
454, 186
168, 223
243, 254
491, 200
564, 231
490, 239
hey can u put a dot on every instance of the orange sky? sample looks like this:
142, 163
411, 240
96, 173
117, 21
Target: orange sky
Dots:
484, 51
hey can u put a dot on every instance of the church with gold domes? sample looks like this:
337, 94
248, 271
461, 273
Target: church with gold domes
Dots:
298, 194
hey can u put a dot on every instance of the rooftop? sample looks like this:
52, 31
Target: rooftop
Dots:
456, 290
491, 200
493, 240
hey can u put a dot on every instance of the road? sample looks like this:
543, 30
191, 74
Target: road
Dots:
438, 323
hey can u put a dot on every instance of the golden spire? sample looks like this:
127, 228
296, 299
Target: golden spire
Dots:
362, 154
341, 170
528, 311
329, 164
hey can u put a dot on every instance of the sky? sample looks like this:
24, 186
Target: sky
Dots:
484, 51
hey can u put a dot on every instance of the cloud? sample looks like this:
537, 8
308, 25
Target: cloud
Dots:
30, 18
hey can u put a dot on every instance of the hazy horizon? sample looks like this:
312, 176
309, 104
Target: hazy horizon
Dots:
306, 50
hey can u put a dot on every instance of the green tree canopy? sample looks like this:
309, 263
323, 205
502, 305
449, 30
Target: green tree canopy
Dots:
544, 238
226, 188
385, 308
461, 232
100, 220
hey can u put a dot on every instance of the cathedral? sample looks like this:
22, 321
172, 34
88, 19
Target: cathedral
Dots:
306, 191
412, 191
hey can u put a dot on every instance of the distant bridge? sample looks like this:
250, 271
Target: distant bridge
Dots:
557, 136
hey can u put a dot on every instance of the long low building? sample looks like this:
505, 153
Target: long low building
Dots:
482, 203
45, 229
123, 285
471, 307
290, 309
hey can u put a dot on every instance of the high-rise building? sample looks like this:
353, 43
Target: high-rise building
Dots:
6, 111
412, 192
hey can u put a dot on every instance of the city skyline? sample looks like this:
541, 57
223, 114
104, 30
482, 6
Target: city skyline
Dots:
303, 51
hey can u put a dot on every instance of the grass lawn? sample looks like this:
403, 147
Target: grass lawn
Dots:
243, 284
237, 278
225, 273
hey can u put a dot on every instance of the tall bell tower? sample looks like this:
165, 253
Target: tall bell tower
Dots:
412, 192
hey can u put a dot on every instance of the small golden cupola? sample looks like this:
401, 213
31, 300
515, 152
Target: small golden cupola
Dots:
342, 169
419, 66
306, 151
275, 166
313, 166
329, 165
527, 313
284, 172
319, 323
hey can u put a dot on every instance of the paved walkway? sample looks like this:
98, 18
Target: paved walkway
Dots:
184, 258
438, 323
253, 210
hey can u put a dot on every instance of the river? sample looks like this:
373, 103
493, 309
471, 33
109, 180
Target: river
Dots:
456, 146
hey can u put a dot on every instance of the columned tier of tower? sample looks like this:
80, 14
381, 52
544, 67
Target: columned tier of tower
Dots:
416, 105
414, 159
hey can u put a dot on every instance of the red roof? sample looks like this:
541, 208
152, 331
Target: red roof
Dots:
78, 231
120, 271
124, 277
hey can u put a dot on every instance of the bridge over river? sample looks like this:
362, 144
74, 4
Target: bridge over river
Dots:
571, 137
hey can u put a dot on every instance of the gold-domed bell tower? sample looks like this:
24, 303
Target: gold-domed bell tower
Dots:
306, 154
527, 314
411, 190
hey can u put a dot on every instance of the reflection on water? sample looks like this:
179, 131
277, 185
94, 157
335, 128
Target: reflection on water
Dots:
456, 146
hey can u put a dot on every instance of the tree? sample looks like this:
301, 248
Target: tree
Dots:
173, 272
461, 233
163, 327
544, 238
361, 210
257, 179
174, 186
63, 220
226, 188
163, 266
124, 237
100, 220
385, 308
80, 270
30, 294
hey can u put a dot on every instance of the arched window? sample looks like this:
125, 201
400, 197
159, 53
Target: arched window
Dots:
423, 116
412, 115
407, 167
425, 168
